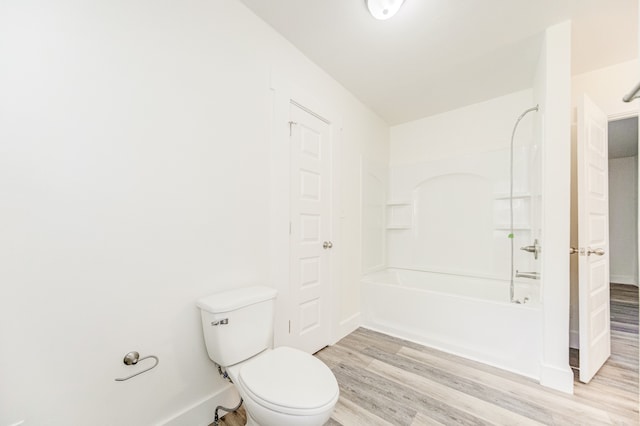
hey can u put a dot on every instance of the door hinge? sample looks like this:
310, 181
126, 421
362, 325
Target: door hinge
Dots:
291, 123
289, 228
289, 326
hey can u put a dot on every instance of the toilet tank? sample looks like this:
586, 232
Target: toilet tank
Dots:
237, 324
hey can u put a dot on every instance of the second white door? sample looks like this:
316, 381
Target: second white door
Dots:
310, 232
593, 238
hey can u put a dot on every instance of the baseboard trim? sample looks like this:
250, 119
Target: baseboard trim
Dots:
560, 379
623, 279
201, 413
348, 326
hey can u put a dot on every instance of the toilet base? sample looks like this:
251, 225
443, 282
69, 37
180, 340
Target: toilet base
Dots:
251, 421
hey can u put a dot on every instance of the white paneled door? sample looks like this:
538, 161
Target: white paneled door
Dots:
593, 239
310, 232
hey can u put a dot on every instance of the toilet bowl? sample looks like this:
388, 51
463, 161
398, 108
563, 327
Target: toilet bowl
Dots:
280, 387
285, 386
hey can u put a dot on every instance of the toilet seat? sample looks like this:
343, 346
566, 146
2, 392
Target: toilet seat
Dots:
289, 381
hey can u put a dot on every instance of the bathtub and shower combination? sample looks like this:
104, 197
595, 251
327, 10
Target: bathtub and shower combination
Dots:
453, 236
467, 316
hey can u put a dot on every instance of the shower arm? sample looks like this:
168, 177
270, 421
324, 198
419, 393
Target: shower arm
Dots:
535, 108
633, 94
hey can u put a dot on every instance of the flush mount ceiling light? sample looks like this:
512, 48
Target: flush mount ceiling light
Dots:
383, 9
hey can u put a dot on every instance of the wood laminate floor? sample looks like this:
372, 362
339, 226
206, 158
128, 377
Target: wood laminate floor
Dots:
388, 381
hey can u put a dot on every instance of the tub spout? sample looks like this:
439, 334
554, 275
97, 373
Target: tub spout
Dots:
530, 275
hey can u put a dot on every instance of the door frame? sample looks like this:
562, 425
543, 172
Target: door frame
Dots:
283, 93
621, 116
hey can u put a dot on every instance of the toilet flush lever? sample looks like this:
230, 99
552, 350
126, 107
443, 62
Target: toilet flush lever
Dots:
224, 321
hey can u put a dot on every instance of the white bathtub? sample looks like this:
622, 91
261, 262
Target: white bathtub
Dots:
467, 316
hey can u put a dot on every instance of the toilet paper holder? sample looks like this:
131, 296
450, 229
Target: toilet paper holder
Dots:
132, 358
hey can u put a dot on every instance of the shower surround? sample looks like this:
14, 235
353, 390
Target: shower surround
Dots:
446, 280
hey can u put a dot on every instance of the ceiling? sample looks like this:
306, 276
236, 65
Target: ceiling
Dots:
437, 55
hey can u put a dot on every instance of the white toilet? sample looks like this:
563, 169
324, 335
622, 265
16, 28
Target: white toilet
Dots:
282, 386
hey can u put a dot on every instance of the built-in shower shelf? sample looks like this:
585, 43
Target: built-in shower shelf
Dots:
399, 215
507, 196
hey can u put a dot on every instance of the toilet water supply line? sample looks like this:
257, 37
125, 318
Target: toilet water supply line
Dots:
513, 134
220, 407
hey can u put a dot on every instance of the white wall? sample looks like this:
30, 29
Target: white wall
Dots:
553, 89
135, 177
605, 87
481, 127
623, 220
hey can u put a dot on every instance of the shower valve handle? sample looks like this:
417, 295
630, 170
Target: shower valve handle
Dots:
535, 249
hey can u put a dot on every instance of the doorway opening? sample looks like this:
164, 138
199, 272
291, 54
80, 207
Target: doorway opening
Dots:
623, 201
623, 254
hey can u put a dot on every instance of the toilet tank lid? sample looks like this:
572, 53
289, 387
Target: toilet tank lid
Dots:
230, 300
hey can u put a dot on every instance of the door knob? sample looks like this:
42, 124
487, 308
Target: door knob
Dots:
327, 245
597, 252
